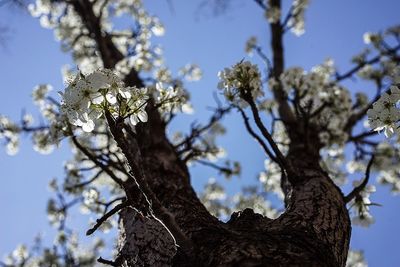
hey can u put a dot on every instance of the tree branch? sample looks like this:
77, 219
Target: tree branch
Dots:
279, 156
278, 66
225, 170
127, 144
82, 184
256, 136
108, 262
261, 4
197, 131
355, 69
357, 190
107, 215
265, 59
97, 162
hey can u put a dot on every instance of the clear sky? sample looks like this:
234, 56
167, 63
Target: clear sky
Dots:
334, 28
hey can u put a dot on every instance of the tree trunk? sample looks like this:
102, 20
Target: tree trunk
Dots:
313, 231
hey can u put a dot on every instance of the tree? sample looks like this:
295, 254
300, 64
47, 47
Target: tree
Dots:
114, 114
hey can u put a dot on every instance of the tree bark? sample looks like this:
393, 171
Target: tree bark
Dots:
313, 231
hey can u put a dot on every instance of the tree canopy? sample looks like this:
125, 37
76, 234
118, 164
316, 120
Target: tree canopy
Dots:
316, 129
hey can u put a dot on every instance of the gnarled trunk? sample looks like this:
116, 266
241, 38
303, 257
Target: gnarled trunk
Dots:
313, 231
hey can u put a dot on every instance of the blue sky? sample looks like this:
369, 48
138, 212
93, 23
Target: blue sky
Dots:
334, 28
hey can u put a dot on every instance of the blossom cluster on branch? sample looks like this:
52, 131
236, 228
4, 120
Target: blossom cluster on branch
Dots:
385, 113
239, 79
86, 97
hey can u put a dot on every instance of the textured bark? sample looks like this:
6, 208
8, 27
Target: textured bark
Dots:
144, 241
314, 230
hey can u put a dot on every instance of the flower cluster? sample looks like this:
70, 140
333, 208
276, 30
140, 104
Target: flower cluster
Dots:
71, 31
356, 259
10, 132
296, 22
386, 160
86, 97
242, 77
316, 94
385, 114
191, 72
250, 44
172, 99
362, 203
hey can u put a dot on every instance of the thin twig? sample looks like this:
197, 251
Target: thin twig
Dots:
261, 4
107, 262
256, 136
282, 161
376, 59
264, 58
221, 169
107, 215
356, 191
97, 162
197, 131
82, 184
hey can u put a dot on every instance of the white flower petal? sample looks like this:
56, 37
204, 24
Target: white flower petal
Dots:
111, 98
97, 99
88, 126
134, 119
142, 116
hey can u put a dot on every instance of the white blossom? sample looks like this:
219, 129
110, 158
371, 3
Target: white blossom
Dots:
385, 114
250, 44
361, 204
296, 22
172, 99
86, 97
40, 92
355, 259
191, 72
42, 142
239, 78
9, 131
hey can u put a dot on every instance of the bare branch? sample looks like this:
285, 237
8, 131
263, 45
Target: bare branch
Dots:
225, 170
107, 215
97, 162
108, 262
360, 137
91, 180
256, 136
288, 16
286, 166
264, 58
354, 70
278, 65
357, 190
197, 131
261, 4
